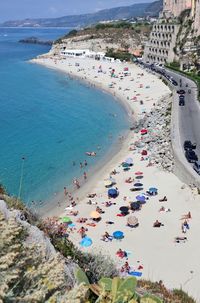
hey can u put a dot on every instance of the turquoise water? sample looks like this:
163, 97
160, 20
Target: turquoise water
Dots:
49, 119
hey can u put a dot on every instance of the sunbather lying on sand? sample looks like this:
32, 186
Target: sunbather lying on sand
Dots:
106, 237
121, 253
73, 213
163, 199
157, 224
125, 268
180, 239
129, 180
164, 209
99, 210
91, 195
81, 220
187, 216
90, 202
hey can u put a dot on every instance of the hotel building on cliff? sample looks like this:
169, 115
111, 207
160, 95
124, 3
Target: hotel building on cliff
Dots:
160, 47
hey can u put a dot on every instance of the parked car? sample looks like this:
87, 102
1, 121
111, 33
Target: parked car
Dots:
196, 167
189, 145
174, 82
181, 91
191, 156
181, 102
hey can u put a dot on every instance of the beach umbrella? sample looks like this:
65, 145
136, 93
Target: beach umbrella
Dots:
129, 161
86, 242
139, 177
125, 165
108, 183
138, 184
141, 198
144, 152
118, 235
95, 215
144, 131
71, 225
138, 173
133, 221
135, 205
153, 190
113, 193
124, 209
65, 219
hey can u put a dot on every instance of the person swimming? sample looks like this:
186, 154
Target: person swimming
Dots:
91, 153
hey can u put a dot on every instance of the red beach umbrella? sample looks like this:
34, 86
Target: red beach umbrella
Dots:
144, 152
139, 173
144, 131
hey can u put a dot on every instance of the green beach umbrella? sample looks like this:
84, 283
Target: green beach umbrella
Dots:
65, 219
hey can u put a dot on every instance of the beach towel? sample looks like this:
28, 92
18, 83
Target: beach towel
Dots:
135, 273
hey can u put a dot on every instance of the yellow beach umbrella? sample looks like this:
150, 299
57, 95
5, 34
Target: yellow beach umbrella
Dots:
95, 215
107, 183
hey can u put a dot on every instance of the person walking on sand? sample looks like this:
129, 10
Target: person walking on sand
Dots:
65, 191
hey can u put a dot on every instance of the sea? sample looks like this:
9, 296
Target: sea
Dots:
48, 121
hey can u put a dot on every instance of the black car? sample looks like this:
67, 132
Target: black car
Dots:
174, 82
189, 145
191, 156
181, 100
182, 103
181, 91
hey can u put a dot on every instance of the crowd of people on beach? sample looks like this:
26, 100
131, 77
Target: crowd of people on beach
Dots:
109, 217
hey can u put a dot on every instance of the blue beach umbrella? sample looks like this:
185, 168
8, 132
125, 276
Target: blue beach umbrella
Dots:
138, 184
125, 165
141, 198
118, 235
153, 190
71, 225
135, 205
113, 193
86, 242
129, 161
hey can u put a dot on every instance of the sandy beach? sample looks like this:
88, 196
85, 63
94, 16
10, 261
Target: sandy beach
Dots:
151, 250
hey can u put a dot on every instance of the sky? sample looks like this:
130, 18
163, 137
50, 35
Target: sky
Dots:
21, 9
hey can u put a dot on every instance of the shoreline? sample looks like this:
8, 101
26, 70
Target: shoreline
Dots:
111, 159
152, 248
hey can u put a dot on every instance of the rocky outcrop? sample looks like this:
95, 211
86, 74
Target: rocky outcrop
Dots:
30, 268
158, 139
34, 40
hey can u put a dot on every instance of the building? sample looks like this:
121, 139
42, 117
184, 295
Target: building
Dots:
80, 53
161, 43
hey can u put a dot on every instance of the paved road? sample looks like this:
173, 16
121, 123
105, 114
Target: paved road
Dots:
189, 115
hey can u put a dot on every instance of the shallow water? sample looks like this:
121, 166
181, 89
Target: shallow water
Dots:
48, 119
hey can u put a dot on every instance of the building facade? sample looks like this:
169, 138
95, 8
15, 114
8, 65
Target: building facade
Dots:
162, 41
159, 48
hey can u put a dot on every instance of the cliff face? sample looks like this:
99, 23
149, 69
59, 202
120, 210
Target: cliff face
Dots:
104, 37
